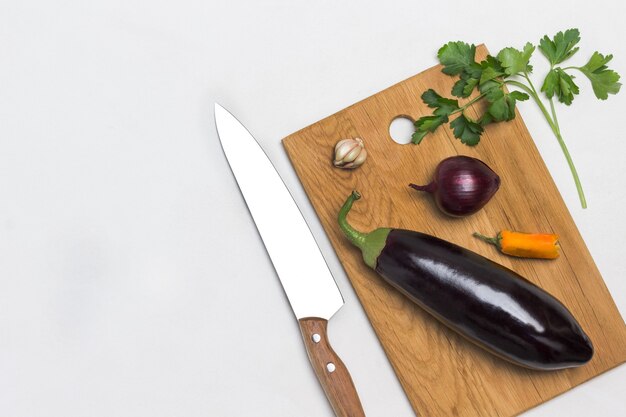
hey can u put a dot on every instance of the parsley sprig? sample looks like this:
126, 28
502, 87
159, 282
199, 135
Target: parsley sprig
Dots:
511, 68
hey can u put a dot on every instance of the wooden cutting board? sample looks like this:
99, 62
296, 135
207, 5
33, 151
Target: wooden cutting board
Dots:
441, 373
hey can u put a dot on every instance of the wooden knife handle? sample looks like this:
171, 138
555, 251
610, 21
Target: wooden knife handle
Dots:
330, 370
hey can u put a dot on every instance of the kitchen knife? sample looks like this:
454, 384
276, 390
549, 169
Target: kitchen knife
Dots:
306, 279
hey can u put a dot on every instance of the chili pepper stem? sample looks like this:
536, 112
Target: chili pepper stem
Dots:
492, 240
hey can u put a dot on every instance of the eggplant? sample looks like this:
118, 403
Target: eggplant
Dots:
485, 302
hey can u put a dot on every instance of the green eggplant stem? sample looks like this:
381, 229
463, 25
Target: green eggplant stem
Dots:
354, 236
372, 243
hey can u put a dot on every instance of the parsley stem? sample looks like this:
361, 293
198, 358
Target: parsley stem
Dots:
554, 125
530, 83
469, 103
556, 121
579, 187
535, 97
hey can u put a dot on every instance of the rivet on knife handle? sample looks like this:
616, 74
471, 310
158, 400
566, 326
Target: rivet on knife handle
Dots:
330, 370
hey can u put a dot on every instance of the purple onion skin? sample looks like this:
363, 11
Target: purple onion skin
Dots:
462, 185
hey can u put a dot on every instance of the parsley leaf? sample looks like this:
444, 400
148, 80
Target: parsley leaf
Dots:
426, 124
430, 123
515, 61
485, 119
464, 86
502, 105
519, 96
468, 80
430, 97
456, 56
491, 68
561, 47
468, 131
444, 106
603, 80
560, 84
417, 137
488, 86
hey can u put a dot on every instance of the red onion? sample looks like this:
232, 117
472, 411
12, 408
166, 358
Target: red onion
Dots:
462, 185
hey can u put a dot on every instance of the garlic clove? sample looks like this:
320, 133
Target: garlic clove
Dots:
341, 142
354, 152
361, 158
342, 148
349, 153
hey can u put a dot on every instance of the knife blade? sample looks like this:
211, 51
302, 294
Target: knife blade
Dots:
297, 260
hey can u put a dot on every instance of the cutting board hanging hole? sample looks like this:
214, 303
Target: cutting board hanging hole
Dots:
401, 129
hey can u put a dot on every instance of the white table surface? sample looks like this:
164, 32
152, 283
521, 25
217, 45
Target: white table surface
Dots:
132, 280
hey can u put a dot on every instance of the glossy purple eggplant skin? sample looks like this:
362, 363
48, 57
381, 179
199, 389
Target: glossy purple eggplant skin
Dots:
488, 303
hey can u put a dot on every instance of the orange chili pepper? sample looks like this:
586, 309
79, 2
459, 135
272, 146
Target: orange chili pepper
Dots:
525, 245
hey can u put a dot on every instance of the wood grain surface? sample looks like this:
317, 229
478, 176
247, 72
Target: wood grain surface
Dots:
441, 373
330, 369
